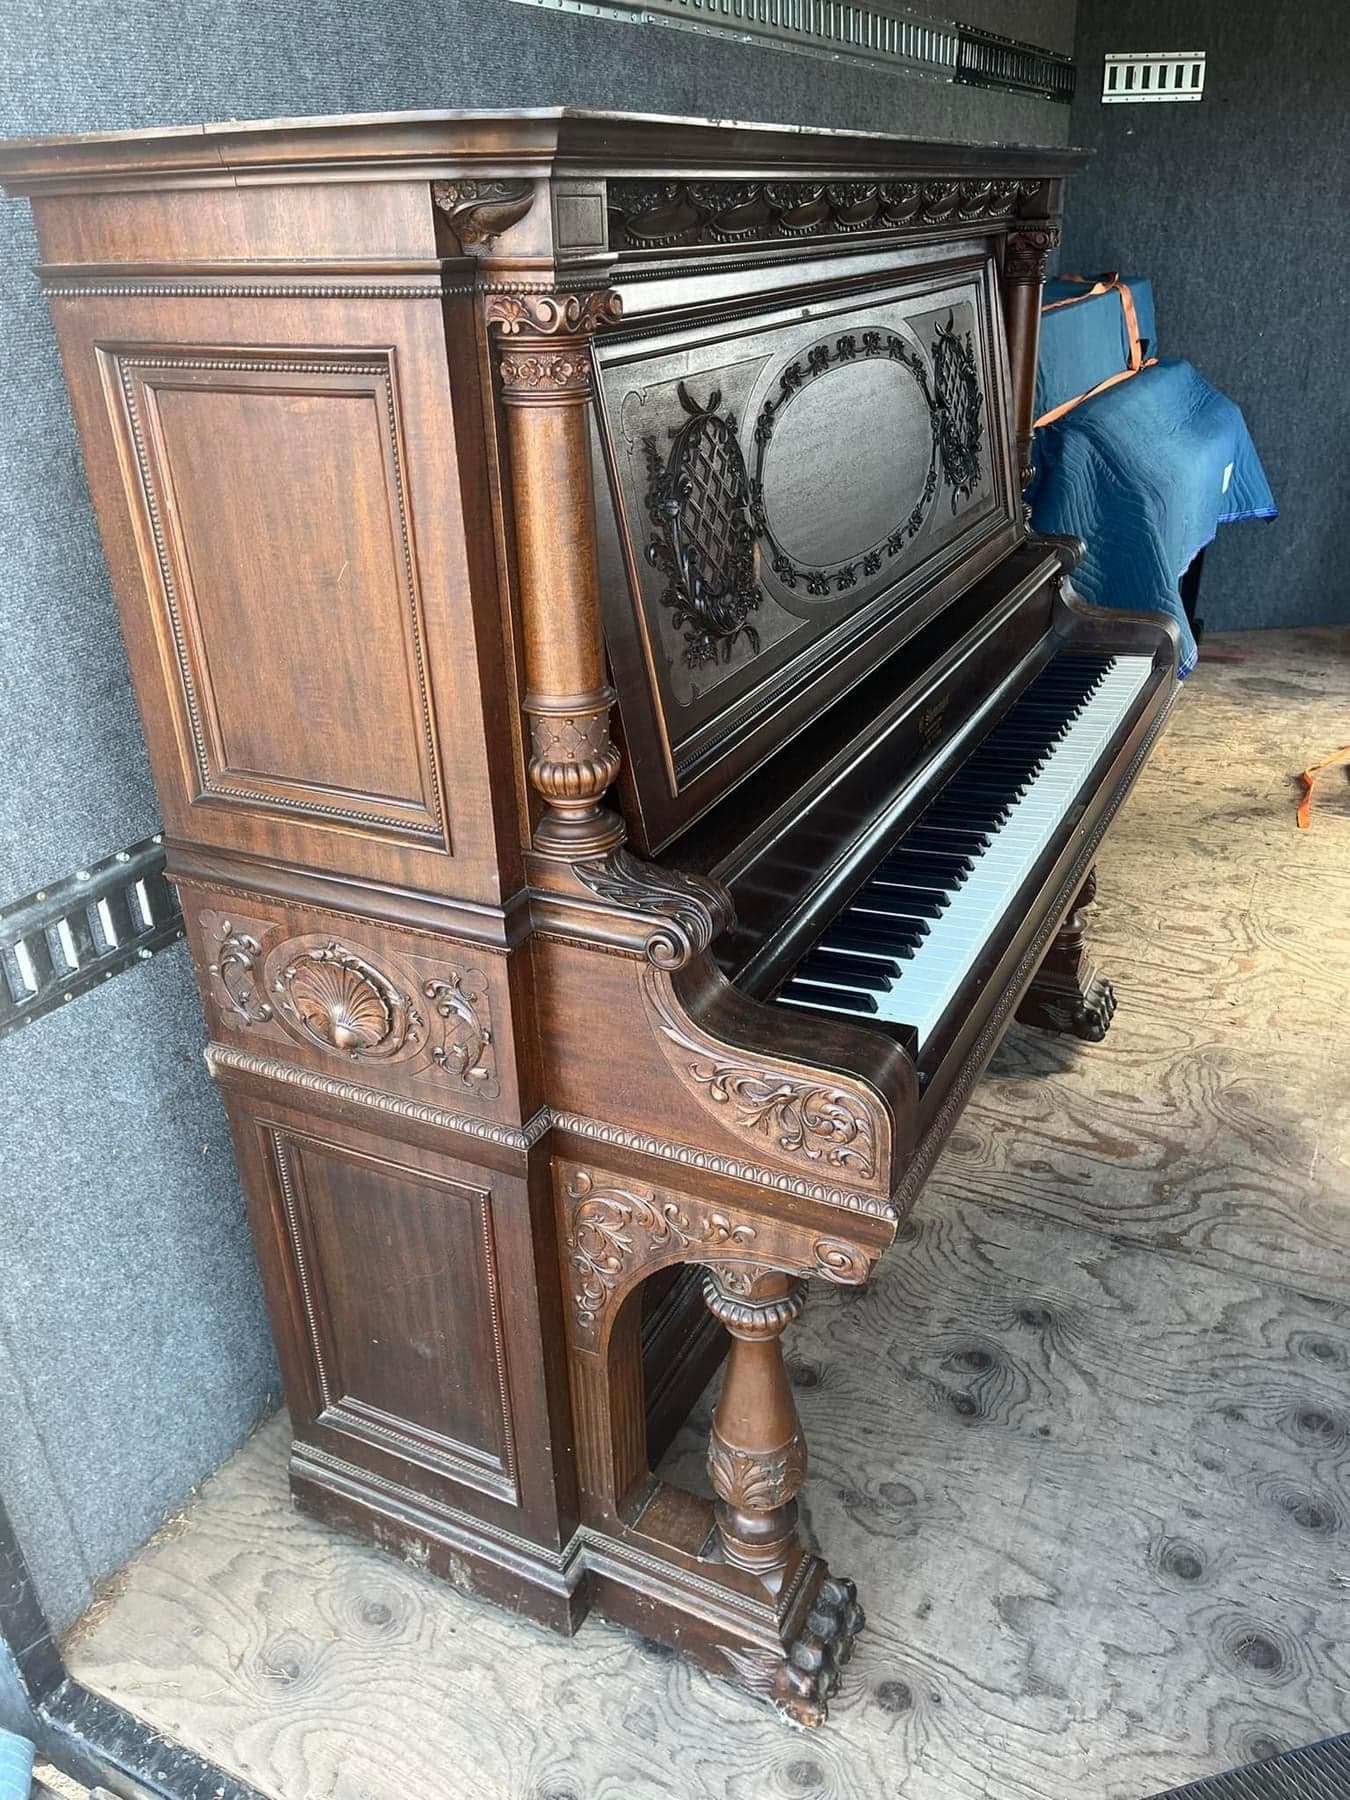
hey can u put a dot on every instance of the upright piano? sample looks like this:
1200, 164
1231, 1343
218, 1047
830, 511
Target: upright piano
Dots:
625, 760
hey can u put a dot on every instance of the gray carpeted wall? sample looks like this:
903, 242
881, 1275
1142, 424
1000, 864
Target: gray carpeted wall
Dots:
134, 1353
1236, 206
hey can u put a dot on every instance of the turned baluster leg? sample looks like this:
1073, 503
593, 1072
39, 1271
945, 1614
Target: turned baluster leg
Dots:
1068, 995
757, 1462
757, 1456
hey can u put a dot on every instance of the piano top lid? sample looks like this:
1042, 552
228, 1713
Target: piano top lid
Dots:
535, 140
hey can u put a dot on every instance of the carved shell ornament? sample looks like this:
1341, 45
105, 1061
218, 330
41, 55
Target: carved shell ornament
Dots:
341, 1002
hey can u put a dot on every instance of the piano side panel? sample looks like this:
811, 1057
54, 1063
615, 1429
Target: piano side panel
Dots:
773, 1116
292, 500
792, 498
399, 1270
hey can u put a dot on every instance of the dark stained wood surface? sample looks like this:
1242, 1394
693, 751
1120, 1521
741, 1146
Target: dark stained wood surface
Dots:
1087, 1432
237, 151
483, 1073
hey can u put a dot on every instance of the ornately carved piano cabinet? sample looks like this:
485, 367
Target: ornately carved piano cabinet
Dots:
624, 760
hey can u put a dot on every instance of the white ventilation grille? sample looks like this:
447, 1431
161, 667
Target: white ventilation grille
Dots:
1154, 75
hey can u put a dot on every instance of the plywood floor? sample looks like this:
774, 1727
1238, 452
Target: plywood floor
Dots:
1084, 1443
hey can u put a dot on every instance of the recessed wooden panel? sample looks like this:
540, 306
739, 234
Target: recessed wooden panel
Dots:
398, 1278
272, 491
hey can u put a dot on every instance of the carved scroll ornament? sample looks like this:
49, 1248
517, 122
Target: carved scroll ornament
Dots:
690, 910
235, 975
459, 1000
805, 1117
554, 315
614, 1235
479, 211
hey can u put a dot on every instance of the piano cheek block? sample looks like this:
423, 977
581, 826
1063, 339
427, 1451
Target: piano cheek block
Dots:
523, 1160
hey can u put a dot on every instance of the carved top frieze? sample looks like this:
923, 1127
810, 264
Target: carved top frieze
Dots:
660, 214
479, 211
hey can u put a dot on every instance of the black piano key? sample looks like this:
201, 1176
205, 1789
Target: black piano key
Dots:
877, 932
886, 924
879, 957
1021, 741
981, 785
948, 833
920, 903
873, 911
1010, 754
832, 999
962, 812
920, 871
918, 861
859, 971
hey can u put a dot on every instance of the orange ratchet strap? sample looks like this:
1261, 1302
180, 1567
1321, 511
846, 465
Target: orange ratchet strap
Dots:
1309, 776
1104, 284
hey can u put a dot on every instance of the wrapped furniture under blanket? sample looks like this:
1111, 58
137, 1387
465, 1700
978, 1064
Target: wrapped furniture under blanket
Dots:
1090, 330
1145, 468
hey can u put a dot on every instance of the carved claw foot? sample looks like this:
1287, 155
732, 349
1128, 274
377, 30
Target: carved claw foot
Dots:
1094, 1012
799, 1680
824, 1644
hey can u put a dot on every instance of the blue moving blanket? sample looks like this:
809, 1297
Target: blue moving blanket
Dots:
1083, 343
1145, 474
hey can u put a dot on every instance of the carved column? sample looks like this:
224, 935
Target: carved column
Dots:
1024, 258
756, 1455
544, 360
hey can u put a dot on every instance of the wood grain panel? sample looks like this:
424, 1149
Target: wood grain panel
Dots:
274, 495
397, 1274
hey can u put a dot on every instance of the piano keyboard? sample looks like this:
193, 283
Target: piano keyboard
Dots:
905, 944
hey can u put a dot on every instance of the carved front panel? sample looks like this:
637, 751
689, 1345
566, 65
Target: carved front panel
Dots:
789, 494
396, 1276
392, 1010
616, 1230
273, 502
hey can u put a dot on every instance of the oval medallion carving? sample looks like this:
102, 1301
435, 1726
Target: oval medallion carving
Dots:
845, 463
336, 999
